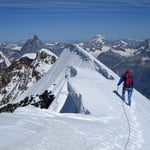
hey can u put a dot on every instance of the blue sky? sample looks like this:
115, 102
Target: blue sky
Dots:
74, 20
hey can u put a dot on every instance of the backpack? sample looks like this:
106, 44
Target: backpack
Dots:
127, 79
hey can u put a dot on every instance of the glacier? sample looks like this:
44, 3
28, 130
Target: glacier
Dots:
85, 115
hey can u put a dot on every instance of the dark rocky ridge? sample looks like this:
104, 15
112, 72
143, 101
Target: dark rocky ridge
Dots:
32, 45
15, 79
45, 99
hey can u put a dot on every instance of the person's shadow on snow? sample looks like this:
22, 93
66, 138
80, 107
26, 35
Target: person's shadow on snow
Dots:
116, 92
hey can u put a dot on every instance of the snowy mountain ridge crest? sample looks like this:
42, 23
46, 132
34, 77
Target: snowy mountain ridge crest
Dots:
81, 84
55, 79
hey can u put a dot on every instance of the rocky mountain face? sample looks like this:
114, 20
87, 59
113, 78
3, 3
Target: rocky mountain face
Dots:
42, 101
121, 55
32, 45
23, 73
14, 51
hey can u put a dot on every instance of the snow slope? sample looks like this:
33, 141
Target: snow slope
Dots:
4, 59
92, 116
56, 76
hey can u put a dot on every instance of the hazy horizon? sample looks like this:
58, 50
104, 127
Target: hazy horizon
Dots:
72, 41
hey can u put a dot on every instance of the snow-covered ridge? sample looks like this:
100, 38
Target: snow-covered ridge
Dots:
47, 51
23, 73
33, 55
79, 86
73, 55
4, 59
30, 55
92, 63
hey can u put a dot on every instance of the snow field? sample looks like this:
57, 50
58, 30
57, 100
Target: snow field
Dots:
44, 130
111, 124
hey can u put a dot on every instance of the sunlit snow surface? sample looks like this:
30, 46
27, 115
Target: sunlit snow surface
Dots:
111, 124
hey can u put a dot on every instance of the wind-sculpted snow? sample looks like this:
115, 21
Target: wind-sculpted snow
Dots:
71, 71
91, 62
73, 103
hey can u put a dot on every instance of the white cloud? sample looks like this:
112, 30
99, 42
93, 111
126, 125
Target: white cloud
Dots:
75, 6
71, 4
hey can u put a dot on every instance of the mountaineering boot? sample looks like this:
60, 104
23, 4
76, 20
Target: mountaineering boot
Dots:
129, 104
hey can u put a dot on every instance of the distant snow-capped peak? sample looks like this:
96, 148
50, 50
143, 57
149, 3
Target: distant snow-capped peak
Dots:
95, 43
11, 46
32, 45
120, 45
99, 38
145, 45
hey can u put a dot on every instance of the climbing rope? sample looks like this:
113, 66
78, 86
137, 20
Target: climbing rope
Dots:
129, 128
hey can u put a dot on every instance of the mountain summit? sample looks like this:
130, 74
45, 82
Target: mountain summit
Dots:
32, 45
96, 43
